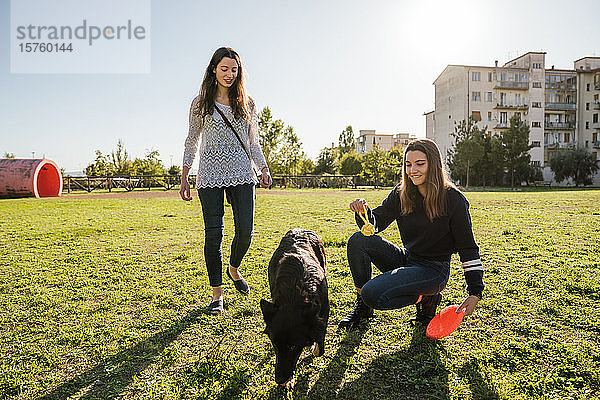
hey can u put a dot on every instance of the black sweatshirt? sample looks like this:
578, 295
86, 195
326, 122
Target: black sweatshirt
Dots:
436, 240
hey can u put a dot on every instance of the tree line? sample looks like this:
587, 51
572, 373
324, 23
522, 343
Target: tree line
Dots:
482, 159
477, 158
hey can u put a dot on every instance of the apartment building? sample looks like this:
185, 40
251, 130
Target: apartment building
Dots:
550, 100
368, 139
588, 103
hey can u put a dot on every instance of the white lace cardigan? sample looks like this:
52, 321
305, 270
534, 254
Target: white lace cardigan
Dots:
223, 161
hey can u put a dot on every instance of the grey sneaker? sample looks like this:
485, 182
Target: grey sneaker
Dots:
215, 308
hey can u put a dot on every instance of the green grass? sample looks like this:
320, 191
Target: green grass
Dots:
103, 298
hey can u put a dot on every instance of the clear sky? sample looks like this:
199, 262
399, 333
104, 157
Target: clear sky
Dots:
319, 66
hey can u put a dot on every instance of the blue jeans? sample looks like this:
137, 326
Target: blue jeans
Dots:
241, 198
404, 277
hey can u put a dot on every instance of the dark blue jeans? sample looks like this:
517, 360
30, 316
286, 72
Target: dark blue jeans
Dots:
241, 198
404, 277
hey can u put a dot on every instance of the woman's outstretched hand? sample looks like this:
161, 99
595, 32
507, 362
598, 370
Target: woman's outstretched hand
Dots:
359, 206
469, 304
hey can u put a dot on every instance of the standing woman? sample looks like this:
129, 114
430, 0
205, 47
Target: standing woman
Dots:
223, 119
434, 222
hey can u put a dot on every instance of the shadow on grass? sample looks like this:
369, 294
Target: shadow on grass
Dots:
109, 378
480, 388
331, 377
415, 373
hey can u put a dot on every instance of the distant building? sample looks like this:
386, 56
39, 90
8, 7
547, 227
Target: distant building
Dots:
367, 139
559, 105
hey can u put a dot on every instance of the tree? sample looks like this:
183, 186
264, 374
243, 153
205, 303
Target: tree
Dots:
287, 159
577, 164
270, 134
346, 141
174, 170
468, 150
101, 166
491, 165
9, 155
307, 166
350, 164
280, 145
515, 142
121, 163
374, 166
325, 162
150, 165
393, 165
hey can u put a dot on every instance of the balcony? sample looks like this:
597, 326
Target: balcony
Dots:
511, 106
502, 125
597, 85
559, 145
596, 125
570, 87
559, 125
511, 85
596, 105
561, 106
596, 144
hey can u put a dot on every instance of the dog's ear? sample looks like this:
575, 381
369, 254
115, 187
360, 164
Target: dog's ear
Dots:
268, 310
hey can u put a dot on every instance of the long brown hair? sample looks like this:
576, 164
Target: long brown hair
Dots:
240, 103
436, 182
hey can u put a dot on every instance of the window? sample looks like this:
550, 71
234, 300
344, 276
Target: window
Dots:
503, 117
476, 115
489, 76
488, 97
567, 137
517, 99
536, 124
476, 96
595, 118
536, 144
587, 106
587, 87
594, 137
587, 124
537, 65
536, 104
537, 84
475, 76
489, 115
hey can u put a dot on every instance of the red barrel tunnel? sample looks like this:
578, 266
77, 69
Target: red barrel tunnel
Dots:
20, 177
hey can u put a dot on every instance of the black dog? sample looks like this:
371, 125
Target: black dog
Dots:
298, 315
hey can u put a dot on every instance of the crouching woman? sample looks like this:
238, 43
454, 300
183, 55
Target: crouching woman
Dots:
434, 222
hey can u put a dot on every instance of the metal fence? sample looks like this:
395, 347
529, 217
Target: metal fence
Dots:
168, 182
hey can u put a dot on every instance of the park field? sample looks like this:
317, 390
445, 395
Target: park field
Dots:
103, 296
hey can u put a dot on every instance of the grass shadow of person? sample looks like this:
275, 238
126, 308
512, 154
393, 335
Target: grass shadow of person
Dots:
331, 378
414, 373
110, 377
215, 377
481, 389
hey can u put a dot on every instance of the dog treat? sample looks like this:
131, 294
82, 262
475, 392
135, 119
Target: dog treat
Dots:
368, 229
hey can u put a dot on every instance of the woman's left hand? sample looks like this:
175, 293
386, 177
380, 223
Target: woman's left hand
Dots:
265, 181
469, 303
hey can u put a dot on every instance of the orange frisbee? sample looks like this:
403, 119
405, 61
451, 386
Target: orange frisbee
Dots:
445, 322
